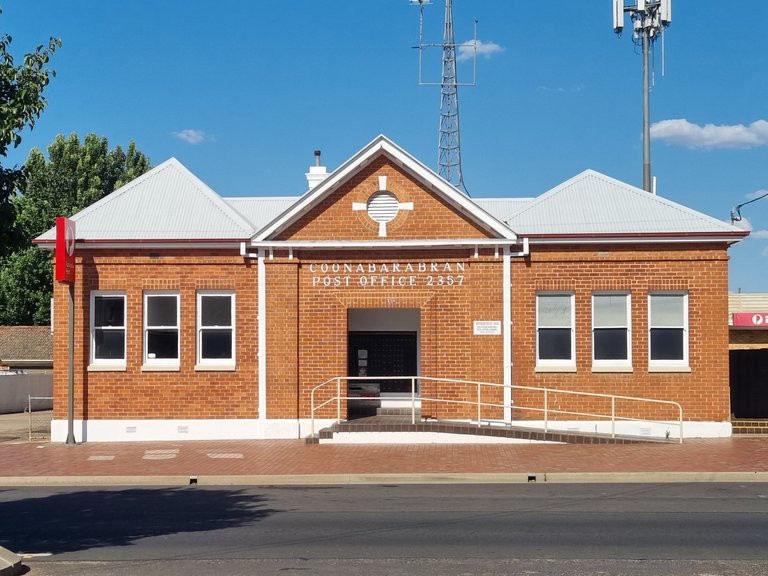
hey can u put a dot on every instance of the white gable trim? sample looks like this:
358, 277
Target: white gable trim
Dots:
381, 144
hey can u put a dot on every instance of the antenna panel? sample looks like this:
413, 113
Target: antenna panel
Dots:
641, 5
666, 11
618, 15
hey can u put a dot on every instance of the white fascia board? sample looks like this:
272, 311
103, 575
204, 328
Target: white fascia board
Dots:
405, 160
106, 245
694, 239
385, 244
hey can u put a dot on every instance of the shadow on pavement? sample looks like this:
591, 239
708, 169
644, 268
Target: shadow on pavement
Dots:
71, 521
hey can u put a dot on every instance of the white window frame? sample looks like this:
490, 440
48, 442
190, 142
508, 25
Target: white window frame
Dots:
107, 363
670, 365
624, 364
557, 365
161, 363
215, 363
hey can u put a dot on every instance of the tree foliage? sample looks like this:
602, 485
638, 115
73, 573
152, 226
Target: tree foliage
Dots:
74, 176
21, 102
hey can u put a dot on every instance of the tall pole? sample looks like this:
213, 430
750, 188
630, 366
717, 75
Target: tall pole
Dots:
71, 370
646, 116
649, 19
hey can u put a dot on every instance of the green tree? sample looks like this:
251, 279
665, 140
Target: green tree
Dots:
74, 176
21, 102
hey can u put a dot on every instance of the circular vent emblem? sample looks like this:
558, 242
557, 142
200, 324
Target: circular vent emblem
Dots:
383, 207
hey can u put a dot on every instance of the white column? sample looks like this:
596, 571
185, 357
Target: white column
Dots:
262, 339
507, 332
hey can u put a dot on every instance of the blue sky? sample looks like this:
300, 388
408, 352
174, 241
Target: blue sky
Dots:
243, 92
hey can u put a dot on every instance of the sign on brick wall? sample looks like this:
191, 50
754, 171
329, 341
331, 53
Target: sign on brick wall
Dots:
750, 319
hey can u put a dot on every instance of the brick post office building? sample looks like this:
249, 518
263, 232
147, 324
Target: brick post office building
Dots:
201, 316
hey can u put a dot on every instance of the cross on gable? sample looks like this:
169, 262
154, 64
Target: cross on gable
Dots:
382, 206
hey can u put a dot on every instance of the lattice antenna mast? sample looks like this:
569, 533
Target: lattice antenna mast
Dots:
649, 20
449, 141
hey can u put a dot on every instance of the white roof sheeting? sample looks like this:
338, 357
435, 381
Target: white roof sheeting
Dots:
594, 204
165, 204
502, 208
260, 211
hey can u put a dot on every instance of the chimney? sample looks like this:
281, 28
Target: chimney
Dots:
317, 173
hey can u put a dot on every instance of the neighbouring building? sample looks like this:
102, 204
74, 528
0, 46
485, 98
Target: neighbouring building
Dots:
749, 361
201, 316
26, 348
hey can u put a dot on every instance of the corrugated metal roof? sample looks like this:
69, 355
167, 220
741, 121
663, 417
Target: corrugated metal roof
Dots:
592, 203
747, 302
502, 208
261, 211
166, 203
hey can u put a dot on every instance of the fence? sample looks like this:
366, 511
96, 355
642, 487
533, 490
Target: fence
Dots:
40, 417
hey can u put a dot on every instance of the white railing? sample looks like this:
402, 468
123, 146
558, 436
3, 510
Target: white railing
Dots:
546, 410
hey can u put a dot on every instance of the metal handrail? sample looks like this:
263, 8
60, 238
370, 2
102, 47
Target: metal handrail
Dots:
546, 410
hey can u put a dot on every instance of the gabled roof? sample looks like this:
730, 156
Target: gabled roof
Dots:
381, 145
168, 203
592, 204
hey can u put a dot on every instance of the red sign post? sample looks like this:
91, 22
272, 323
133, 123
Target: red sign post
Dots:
65, 272
65, 250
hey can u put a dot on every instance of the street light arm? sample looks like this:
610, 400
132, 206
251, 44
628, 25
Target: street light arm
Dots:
736, 210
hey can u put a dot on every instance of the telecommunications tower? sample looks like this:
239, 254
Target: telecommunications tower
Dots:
649, 20
449, 141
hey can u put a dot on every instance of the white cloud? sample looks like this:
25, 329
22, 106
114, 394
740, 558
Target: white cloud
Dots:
760, 234
681, 132
191, 135
467, 50
574, 89
757, 194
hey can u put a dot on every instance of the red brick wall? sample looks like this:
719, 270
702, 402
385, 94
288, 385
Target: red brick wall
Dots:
145, 395
700, 271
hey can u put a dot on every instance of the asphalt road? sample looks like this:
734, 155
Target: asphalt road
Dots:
685, 529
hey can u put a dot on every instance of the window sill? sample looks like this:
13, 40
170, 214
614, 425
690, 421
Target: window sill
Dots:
616, 368
215, 367
106, 368
160, 368
669, 368
555, 368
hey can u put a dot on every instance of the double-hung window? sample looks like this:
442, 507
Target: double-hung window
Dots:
215, 330
611, 335
161, 330
555, 334
668, 330
108, 329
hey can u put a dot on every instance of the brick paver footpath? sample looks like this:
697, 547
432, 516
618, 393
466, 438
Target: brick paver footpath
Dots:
293, 461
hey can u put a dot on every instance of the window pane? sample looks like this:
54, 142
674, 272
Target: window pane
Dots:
109, 311
162, 344
610, 344
610, 310
109, 344
216, 310
667, 310
555, 310
666, 344
555, 344
161, 310
216, 344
